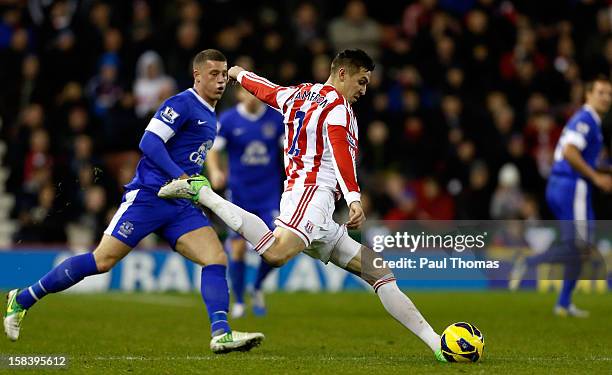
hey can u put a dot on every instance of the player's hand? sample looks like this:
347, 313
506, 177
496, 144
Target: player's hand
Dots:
234, 71
356, 216
217, 178
183, 176
603, 181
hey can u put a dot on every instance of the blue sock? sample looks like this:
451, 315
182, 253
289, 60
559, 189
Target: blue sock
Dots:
565, 297
263, 271
216, 297
236, 271
63, 276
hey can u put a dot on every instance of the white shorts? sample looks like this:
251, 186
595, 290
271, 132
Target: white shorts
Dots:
308, 212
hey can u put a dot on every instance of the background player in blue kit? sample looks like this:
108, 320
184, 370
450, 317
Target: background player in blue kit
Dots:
251, 133
174, 144
569, 192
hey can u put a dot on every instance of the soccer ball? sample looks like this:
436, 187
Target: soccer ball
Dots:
462, 342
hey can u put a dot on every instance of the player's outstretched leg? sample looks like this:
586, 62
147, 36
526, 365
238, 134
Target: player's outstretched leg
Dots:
355, 258
197, 188
63, 276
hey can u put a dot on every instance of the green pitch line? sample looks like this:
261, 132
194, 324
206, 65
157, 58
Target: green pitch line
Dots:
344, 333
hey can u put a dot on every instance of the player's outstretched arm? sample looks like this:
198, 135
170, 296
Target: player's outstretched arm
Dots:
154, 148
270, 93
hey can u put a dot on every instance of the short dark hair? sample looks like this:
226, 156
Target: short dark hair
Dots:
208, 54
591, 83
352, 60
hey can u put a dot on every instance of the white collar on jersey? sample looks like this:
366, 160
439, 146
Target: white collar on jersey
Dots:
593, 113
241, 108
204, 102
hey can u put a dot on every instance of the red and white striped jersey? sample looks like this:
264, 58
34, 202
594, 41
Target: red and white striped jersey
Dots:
321, 137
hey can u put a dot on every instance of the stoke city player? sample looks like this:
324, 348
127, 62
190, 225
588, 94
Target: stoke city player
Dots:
320, 151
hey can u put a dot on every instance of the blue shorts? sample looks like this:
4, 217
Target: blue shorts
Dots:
569, 200
142, 212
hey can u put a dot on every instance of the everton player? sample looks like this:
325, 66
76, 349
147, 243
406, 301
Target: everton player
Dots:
174, 145
320, 149
251, 133
568, 193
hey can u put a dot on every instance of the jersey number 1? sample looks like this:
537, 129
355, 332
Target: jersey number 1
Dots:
294, 151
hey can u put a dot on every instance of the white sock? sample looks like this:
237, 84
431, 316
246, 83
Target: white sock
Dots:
251, 227
405, 312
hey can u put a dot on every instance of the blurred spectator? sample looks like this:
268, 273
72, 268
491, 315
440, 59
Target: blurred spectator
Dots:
22, 89
418, 158
113, 42
531, 180
474, 200
38, 162
320, 68
104, 89
150, 82
375, 145
508, 197
354, 29
541, 135
417, 17
40, 223
307, 28
403, 197
141, 31
530, 209
122, 130
179, 57
89, 225
433, 203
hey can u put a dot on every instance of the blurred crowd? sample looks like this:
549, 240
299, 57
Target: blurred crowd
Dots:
465, 106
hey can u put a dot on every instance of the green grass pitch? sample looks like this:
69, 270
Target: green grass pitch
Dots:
343, 333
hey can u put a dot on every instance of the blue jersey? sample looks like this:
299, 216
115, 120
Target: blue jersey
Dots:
188, 126
583, 130
252, 143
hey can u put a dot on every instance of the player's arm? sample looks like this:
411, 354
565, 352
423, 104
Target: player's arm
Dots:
270, 93
154, 148
166, 121
572, 154
345, 167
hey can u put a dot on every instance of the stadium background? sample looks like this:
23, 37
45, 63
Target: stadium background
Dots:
460, 121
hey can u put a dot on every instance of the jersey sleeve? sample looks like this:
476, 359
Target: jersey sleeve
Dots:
344, 151
577, 134
169, 118
272, 94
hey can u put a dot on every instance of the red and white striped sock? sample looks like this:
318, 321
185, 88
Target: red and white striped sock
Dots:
404, 311
251, 227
